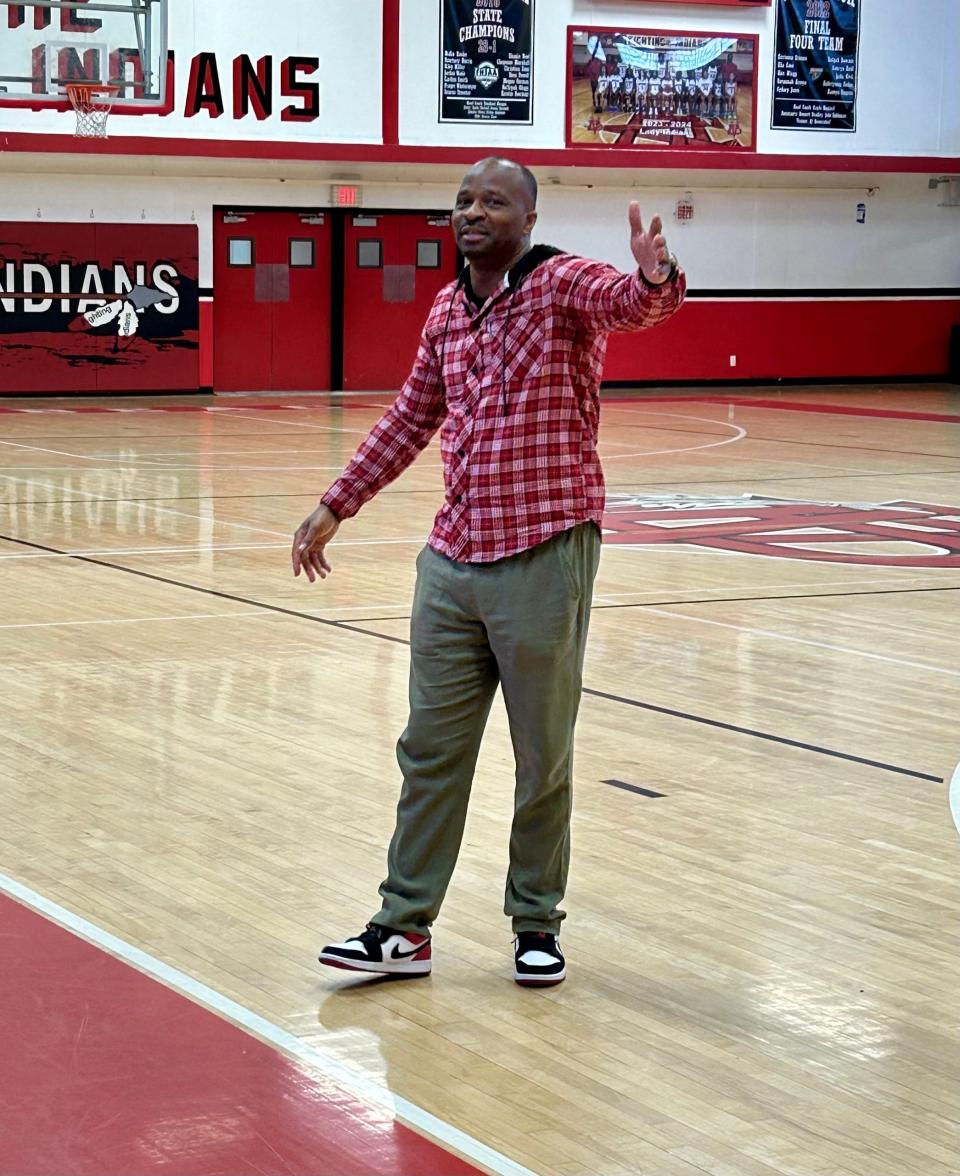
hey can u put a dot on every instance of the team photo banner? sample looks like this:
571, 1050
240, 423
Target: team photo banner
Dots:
650, 89
486, 61
815, 67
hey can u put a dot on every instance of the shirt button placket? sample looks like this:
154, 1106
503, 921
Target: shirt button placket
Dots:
476, 370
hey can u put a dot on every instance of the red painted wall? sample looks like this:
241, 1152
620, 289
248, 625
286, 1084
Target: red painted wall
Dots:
778, 339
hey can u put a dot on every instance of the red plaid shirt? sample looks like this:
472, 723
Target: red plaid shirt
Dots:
515, 385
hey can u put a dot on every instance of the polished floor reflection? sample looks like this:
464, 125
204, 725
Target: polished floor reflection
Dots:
763, 933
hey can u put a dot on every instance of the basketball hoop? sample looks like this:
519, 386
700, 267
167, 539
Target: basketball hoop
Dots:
93, 104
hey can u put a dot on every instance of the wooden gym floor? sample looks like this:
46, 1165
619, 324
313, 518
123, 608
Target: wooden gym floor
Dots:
198, 780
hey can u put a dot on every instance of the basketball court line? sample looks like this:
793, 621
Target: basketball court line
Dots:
132, 456
780, 739
762, 481
360, 1085
192, 408
148, 468
159, 509
189, 549
855, 448
620, 486
602, 601
787, 406
653, 604
652, 607
843, 410
896, 661
341, 400
792, 596
125, 462
789, 441
185, 550
303, 425
954, 795
349, 627
240, 613
740, 433
673, 713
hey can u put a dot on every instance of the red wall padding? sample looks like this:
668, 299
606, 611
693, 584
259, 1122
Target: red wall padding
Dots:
774, 339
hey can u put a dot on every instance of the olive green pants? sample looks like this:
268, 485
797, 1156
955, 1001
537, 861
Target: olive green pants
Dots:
520, 623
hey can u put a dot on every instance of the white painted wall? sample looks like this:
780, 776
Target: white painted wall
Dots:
739, 239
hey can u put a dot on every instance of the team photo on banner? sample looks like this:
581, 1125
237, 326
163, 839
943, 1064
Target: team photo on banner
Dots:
815, 67
645, 88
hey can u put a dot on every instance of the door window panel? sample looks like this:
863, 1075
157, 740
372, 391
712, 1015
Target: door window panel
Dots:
428, 255
369, 254
240, 251
302, 253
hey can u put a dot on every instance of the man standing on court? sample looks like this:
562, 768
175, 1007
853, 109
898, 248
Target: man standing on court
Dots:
509, 366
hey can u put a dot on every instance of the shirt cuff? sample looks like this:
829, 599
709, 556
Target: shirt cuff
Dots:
341, 502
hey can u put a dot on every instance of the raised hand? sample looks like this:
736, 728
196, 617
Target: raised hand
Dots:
649, 247
312, 536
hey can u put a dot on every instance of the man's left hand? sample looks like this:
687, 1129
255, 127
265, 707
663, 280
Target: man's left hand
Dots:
649, 247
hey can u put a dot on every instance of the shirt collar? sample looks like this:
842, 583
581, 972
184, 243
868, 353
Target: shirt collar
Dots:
534, 257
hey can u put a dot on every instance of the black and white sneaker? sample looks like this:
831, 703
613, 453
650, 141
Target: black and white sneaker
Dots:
538, 959
382, 950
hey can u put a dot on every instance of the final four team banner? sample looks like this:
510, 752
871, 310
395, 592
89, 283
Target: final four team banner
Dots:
486, 61
815, 70
669, 90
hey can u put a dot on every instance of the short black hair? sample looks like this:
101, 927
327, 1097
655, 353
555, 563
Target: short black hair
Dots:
529, 179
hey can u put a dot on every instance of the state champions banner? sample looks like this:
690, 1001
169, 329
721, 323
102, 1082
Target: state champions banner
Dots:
486, 61
815, 65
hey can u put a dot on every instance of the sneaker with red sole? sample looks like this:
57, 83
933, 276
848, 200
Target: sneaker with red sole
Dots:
381, 950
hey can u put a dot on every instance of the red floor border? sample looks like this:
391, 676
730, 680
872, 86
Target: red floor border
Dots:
112, 1073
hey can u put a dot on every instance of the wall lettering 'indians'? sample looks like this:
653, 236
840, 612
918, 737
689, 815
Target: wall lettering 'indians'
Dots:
99, 307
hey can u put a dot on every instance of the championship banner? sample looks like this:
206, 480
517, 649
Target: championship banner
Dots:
643, 88
815, 71
486, 66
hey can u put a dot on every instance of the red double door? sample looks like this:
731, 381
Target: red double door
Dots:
313, 300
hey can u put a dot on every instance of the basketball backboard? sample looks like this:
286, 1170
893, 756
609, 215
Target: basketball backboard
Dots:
46, 45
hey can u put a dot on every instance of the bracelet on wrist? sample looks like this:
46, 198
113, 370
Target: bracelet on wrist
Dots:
671, 275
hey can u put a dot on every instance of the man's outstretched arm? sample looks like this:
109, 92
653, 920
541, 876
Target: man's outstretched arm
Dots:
390, 446
608, 300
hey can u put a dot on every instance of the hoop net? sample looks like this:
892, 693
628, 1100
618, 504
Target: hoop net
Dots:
93, 105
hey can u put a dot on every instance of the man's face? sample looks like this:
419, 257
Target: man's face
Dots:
493, 214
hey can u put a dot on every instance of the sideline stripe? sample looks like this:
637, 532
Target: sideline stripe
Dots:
424, 1123
955, 797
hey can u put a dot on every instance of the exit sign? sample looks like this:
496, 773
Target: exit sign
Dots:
346, 195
